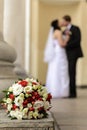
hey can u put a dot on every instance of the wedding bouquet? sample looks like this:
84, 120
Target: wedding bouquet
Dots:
27, 99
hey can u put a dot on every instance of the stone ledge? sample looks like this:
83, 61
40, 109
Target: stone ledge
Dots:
40, 124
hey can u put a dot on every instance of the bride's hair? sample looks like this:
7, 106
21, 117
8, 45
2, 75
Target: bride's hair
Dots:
55, 24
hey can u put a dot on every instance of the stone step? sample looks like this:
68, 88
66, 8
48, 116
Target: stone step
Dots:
40, 124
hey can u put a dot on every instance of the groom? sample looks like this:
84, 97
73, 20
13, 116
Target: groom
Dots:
73, 50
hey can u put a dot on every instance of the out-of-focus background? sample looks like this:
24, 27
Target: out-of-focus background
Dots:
25, 25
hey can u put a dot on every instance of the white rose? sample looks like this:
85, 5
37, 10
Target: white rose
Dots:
8, 93
35, 114
28, 89
29, 105
12, 114
17, 89
18, 101
40, 116
45, 95
38, 104
18, 115
9, 101
35, 87
22, 95
46, 105
25, 113
9, 107
25, 116
21, 107
25, 110
10, 89
30, 115
4, 100
44, 90
27, 79
32, 80
39, 91
27, 95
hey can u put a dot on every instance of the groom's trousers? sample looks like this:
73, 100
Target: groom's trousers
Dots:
72, 75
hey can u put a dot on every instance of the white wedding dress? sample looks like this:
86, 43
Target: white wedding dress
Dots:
57, 81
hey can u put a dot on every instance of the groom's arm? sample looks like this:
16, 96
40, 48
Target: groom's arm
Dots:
75, 42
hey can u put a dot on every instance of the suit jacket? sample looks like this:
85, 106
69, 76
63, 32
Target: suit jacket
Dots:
73, 48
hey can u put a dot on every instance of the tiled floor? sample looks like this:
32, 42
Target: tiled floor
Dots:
71, 114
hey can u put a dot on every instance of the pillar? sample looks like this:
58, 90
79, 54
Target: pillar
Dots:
34, 37
14, 27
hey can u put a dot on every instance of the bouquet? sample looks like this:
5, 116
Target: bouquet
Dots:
27, 99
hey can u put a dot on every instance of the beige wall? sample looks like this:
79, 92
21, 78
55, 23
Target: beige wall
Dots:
48, 12
84, 43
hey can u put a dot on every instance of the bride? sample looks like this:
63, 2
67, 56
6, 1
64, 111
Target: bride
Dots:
57, 81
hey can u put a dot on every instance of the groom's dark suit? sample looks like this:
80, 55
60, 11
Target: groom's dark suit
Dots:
73, 50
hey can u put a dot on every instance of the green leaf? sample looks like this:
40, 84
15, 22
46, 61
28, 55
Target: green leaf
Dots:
5, 91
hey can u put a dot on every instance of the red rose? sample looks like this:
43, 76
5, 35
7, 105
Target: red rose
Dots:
11, 96
31, 109
28, 92
23, 83
49, 97
36, 95
34, 83
41, 109
33, 103
14, 107
40, 99
33, 97
29, 99
25, 103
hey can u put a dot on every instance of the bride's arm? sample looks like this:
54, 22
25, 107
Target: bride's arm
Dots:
58, 35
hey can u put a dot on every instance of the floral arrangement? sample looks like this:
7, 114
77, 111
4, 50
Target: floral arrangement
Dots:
27, 99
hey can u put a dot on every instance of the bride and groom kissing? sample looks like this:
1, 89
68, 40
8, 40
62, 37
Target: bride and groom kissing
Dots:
61, 53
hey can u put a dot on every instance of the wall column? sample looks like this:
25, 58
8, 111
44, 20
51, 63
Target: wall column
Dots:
34, 37
1, 18
14, 26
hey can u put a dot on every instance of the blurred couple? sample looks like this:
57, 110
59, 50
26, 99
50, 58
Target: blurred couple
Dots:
61, 53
